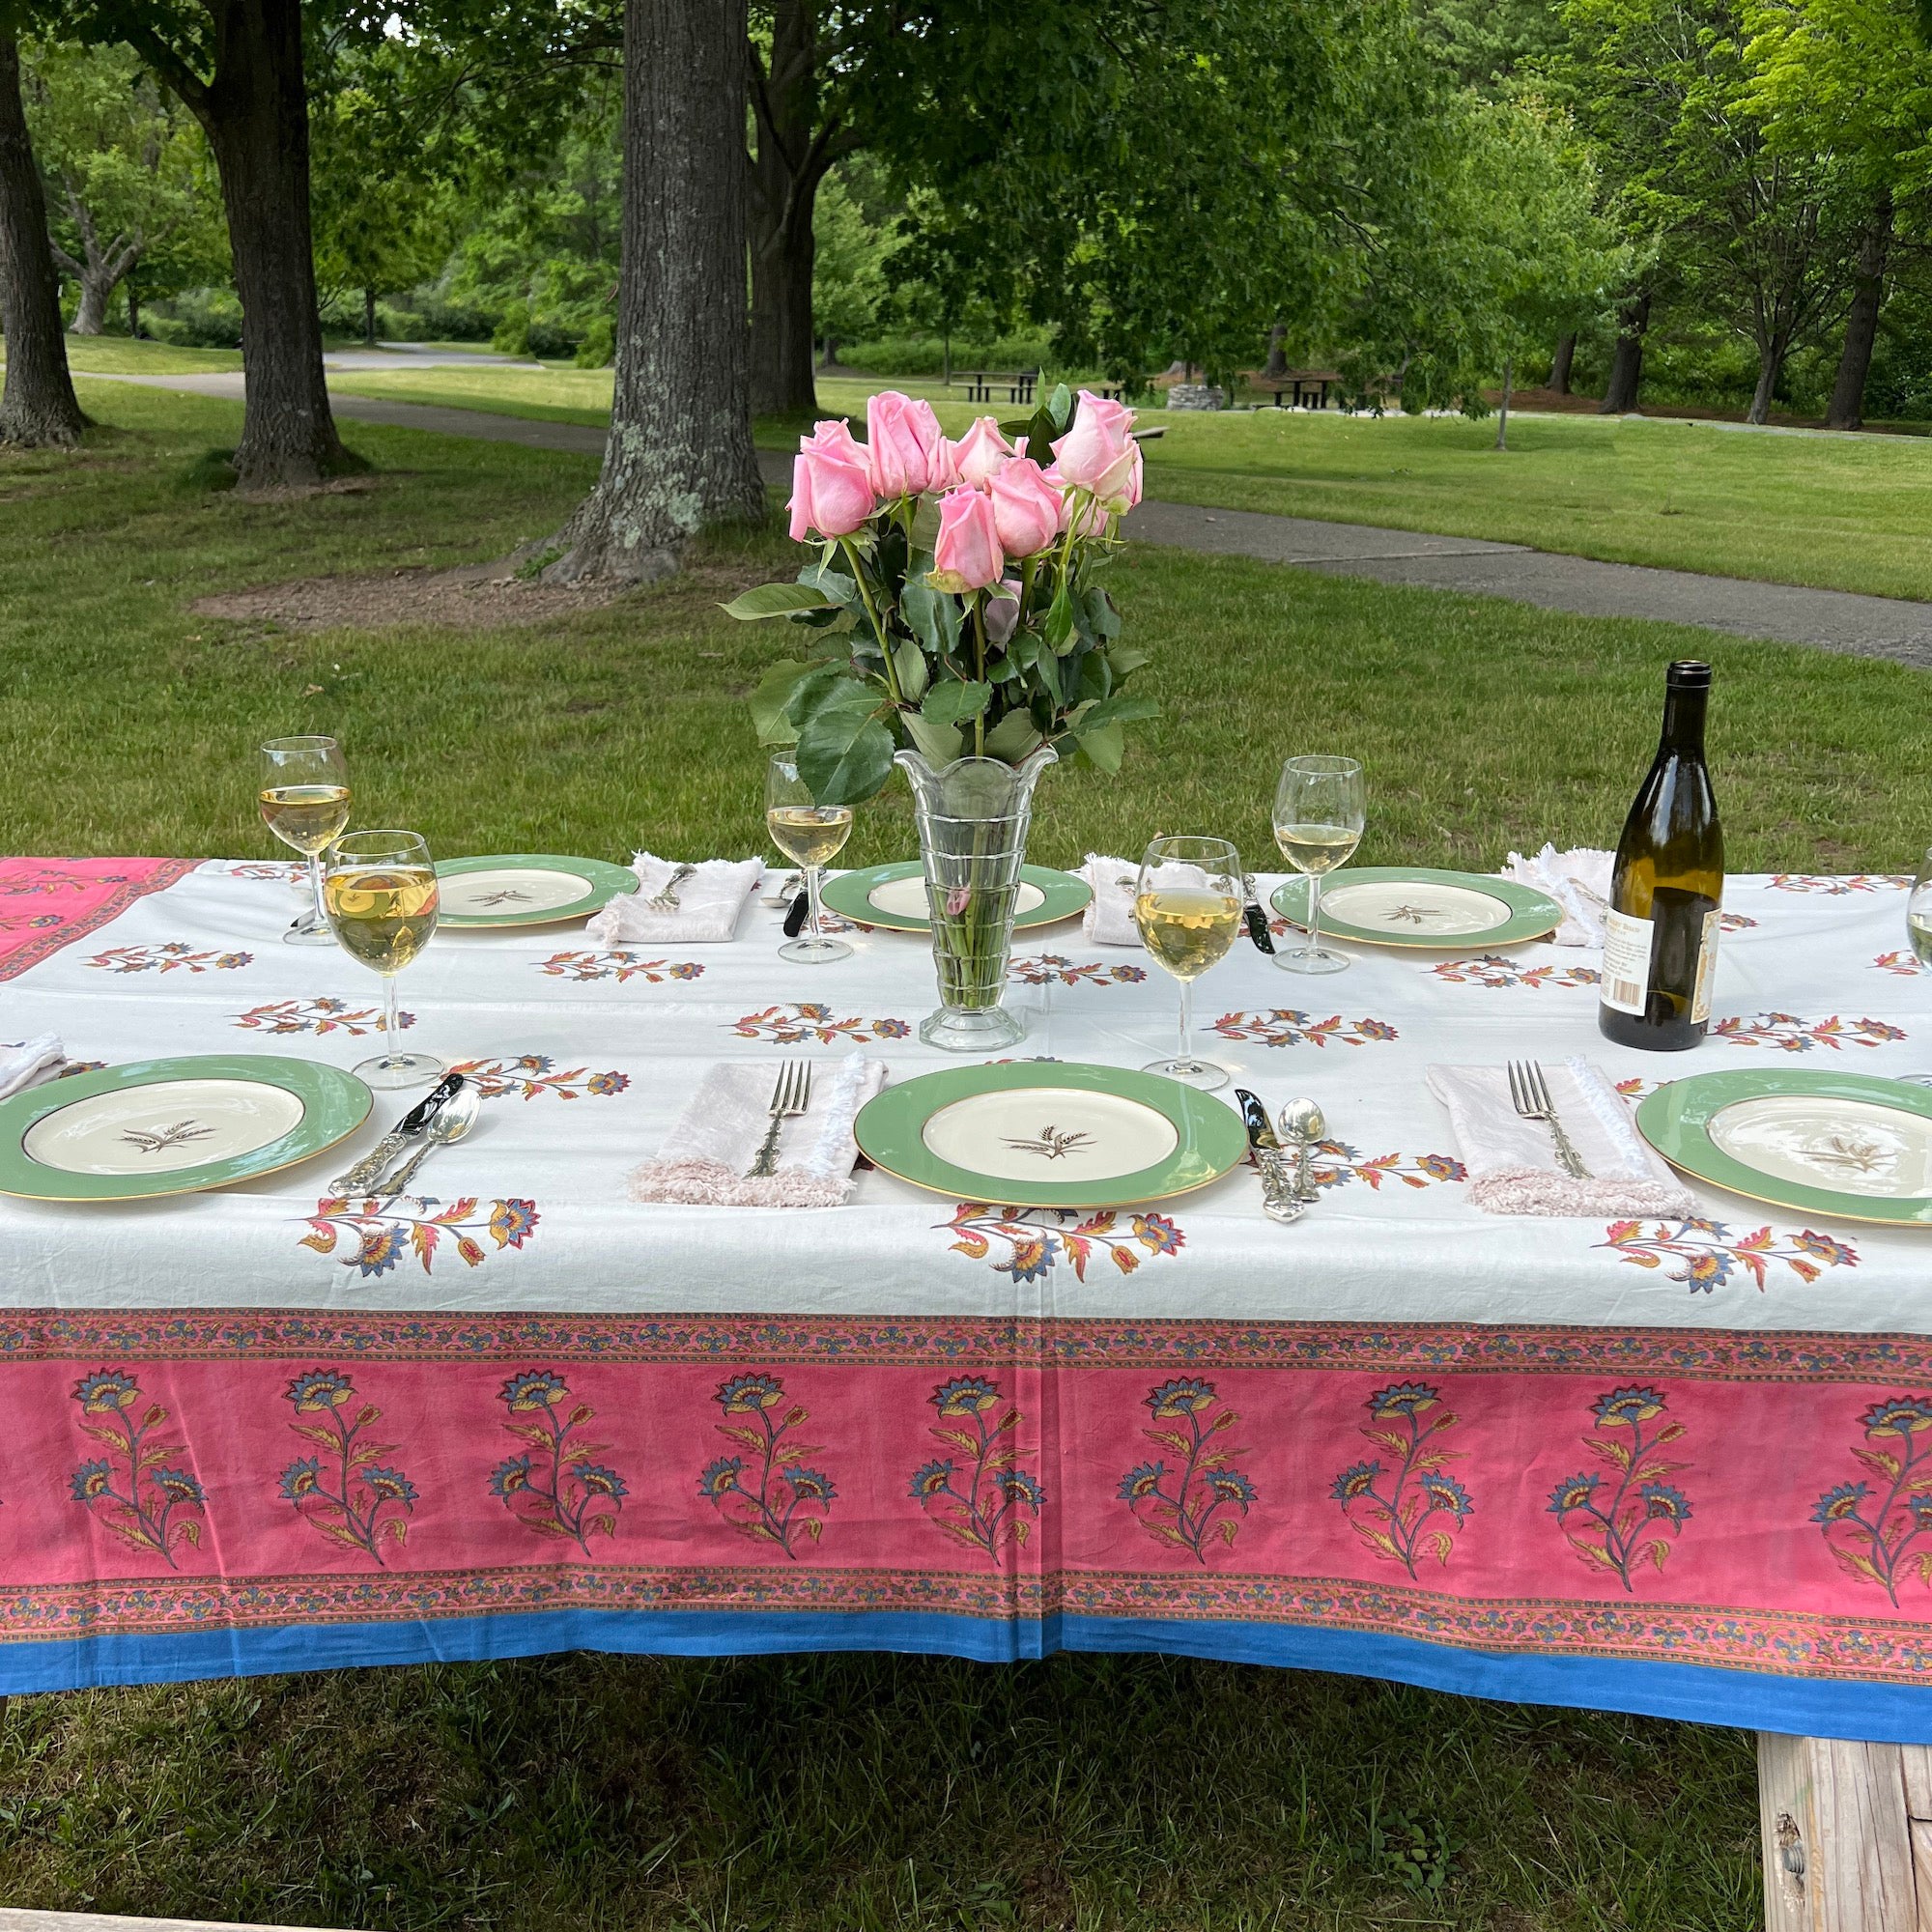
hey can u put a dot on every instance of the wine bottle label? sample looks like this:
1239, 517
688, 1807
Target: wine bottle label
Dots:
1707, 968
1626, 961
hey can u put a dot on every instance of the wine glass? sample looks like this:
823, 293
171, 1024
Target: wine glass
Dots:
1919, 914
1320, 806
807, 834
305, 801
379, 892
1187, 903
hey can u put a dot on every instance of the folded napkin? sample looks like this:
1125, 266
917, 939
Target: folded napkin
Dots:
1108, 918
709, 902
718, 1136
1512, 1162
29, 1064
1578, 881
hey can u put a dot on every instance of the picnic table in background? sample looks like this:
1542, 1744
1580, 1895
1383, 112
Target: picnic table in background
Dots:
1307, 387
981, 384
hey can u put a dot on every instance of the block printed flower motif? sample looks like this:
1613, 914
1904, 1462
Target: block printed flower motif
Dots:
1492, 969
1391, 1506
1837, 887
532, 1074
384, 1230
767, 1492
801, 1020
553, 1486
1905, 964
137, 1490
371, 1499
1183, 1503
1871, 1529
1633, 1516
1032, 1241
174, 955
318, 1016
1711, 1254
977, 1493
584, 967
1335, 1164
1788, 1032
1050, 968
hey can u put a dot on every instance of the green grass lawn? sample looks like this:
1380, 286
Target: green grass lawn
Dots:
814, 1795
123, 356
1842, 514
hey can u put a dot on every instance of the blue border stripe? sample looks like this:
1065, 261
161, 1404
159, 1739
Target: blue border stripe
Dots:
1808, 1707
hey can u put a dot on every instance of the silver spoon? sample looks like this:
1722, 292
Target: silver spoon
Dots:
455, 1121
1302, 1125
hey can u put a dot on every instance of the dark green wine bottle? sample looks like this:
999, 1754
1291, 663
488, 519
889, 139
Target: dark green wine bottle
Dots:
1668, 889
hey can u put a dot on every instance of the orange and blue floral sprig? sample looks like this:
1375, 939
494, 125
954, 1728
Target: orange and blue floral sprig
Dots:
996, 1498
1394, 1522
787, 1498
1873, 1544
553, 1486
1180, 1506
1642, 1514
353, 1511
154, 1512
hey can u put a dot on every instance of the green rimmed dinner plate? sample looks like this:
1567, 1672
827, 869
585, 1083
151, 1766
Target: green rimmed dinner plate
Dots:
173, 1126
1417, 906
894, 897
526, 889
1050, 1135
1849, 1145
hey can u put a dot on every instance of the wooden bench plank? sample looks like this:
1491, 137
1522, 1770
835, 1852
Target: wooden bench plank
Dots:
1838, 1847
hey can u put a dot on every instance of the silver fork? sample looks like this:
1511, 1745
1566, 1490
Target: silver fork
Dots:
1530, 1092
668, 900
790, 1098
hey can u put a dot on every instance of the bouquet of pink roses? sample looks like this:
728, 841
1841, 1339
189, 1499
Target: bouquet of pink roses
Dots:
953, 604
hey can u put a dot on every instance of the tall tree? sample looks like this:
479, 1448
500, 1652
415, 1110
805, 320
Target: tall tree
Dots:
38, 405
679, 456
238, 67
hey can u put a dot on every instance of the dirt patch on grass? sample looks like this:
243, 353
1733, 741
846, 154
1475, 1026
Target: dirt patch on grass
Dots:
479, 597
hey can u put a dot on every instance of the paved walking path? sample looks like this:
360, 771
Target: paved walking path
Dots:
1833, 620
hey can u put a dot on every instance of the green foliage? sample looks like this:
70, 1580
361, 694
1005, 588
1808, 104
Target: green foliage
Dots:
851, 237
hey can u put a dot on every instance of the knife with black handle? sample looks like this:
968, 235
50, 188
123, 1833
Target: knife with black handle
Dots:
1257, 917
1278, 1197
363, 1173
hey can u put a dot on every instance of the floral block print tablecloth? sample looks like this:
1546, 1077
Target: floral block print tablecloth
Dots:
1680, 1467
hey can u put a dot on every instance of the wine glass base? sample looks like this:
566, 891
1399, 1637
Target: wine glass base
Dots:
1312, 959
310, 930
808, 952
390, 1070
1201, 1074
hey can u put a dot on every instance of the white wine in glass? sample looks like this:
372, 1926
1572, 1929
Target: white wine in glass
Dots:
811, 836
303, 797
1919, 914
1321, 807
1188, 904
381, 899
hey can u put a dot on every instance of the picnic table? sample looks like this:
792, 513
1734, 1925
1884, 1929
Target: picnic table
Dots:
1307, 389
563, 1419
981, 382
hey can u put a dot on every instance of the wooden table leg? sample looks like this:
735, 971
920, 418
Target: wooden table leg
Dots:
1847, 1834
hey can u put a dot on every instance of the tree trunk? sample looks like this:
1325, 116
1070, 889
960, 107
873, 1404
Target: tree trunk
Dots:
255, 114
679, 455
1560, 363
1277, 356
133, 310
1847, 409
1620, 392
369, 318
38, 405
1770, 366
790, 162
91, 317
1503, 421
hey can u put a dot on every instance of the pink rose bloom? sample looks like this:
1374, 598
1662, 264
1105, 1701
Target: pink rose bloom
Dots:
1134, 481
966, 555
1026, 507
831, 484
980, 454
909, 454
1097, 454
1093, 516
1003, 614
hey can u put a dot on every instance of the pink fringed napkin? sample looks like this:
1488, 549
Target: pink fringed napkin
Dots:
1512, 1162
718, 1136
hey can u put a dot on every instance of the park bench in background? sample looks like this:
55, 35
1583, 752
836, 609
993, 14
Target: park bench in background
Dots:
981, 382
1308, 387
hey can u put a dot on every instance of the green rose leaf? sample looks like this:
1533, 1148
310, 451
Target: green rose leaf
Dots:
777, 600
952, 703
1102, 619
771, 698
1013, 737
830, 687
1127, 708
938, 744
1059, 406
909, 663
1124, 659
1104, 746
1059, 624
931, 616
844, 754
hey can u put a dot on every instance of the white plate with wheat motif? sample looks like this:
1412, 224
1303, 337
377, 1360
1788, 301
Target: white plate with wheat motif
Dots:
1851, 1145
173, 1126
1419, 906
526, 889
1050, 1135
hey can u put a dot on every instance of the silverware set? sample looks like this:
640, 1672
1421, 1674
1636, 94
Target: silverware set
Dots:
666, 900
1529, 1094
1283, 1154
442, 1115
790, 1098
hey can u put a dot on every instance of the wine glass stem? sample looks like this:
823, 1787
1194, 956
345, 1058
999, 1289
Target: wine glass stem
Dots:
1186, 1054
392, 1024
811, 889
315, 886
1315, 912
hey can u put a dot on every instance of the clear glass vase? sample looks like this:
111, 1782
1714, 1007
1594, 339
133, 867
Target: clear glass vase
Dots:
972, 818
